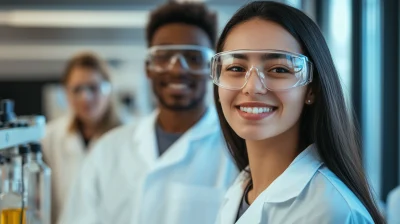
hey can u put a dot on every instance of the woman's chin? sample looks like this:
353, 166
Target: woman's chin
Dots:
254, 135
89, 118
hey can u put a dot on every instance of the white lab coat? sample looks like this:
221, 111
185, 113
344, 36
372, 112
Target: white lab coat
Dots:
393, 206
64, 152
307, 192
125, 181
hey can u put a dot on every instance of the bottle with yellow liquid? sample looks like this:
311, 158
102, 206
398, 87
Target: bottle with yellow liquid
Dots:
11, 198
13, 216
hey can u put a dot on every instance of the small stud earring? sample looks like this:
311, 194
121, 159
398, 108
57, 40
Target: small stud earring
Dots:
308, 101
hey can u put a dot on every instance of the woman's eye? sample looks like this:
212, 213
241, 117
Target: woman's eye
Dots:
280, 70
235, 69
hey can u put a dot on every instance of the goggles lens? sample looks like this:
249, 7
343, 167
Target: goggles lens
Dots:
103, 88
277, 70
192, 58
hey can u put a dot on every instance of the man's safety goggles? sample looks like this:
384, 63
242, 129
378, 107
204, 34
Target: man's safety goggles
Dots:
192, 58
277, 70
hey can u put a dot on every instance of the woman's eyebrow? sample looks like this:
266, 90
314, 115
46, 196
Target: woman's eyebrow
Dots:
268, 56
239, 56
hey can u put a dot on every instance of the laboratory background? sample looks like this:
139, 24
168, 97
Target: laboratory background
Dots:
37, 38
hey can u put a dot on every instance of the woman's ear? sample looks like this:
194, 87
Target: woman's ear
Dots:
310, 96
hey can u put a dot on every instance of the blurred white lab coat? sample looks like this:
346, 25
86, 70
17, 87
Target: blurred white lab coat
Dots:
393, 206
64, 152
125, 181
307, 192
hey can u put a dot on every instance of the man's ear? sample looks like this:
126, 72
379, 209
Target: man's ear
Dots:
148, 72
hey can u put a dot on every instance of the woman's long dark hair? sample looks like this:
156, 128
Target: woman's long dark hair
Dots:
326, 123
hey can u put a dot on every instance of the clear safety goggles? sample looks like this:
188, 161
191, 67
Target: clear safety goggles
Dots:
277, 70
192, 58
103, 88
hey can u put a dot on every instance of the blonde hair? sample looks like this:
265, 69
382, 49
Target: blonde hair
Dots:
92, 61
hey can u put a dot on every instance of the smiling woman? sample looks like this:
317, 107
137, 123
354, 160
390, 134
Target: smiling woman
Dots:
266, 80
284, 118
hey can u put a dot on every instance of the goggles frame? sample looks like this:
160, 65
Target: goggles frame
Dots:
178, 56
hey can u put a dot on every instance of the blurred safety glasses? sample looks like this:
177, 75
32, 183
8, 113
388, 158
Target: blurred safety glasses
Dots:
103, 88
277, 70
192, 58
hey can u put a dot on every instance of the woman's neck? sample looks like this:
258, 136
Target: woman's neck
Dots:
269, 158
87, 129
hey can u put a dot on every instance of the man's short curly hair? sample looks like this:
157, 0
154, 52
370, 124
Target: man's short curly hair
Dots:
196, 14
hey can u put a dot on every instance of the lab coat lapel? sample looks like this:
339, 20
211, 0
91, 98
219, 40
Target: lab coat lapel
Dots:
287, 186
145, 140
73, 140
232, 201
254, 213
176, 153
73, 144
182, 147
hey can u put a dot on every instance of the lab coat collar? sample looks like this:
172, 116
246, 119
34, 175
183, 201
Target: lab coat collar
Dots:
287, 186
74, 140
295, 178
233, 198
207, 125
146, 141
144, 138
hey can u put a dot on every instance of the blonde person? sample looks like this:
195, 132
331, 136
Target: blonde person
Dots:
70, 138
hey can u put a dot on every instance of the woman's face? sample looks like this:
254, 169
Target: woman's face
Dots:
281, 110
88, 94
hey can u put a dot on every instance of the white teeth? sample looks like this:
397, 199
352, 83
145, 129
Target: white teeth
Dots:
177, 86
256, 110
